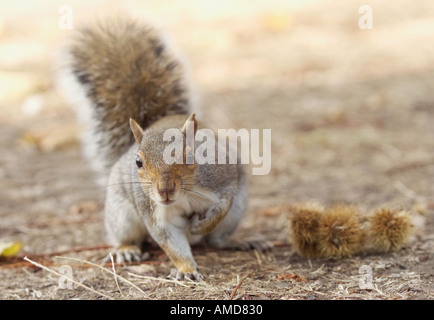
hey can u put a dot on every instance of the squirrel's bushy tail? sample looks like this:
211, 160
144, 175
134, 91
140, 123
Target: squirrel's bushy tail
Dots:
116, 70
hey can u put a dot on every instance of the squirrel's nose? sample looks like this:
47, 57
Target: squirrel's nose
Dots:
166, 190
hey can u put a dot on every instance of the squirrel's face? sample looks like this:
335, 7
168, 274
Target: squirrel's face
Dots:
162, 182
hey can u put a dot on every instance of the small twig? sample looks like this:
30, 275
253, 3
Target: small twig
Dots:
72, 280
115, 275
310, 290
238, 286
158, 279
317, 270
378, 290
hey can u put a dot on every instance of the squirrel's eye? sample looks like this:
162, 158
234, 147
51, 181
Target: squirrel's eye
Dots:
139, 162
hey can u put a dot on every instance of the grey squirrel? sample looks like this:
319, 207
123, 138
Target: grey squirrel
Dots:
129, 87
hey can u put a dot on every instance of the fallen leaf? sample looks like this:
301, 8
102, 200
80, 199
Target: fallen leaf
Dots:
9, 249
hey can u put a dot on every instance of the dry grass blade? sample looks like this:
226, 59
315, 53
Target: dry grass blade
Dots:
160, 279
72, 280
238, 286
106, 270
115, 275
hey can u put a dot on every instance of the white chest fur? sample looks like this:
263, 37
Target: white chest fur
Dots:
198, 200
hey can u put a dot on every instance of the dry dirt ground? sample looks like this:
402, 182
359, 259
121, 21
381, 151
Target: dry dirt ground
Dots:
351, 113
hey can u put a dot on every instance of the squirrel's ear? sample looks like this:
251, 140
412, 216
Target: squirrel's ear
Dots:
137, 131
190, 124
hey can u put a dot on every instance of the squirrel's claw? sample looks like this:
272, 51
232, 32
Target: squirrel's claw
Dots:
177, 275
127, 254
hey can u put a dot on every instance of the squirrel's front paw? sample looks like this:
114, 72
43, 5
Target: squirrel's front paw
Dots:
127, 254
201, 223
175, 274
196, 222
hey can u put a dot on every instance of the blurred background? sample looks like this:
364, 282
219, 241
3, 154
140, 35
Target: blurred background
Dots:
351, 109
